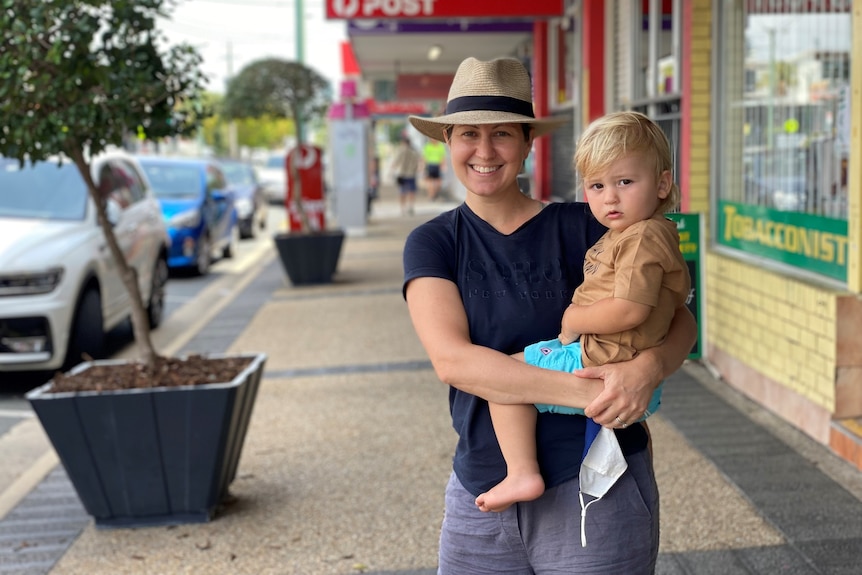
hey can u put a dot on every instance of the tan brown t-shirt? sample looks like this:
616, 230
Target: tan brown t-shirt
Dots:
642, 264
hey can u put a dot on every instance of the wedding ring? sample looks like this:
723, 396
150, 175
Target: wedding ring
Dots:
623, 423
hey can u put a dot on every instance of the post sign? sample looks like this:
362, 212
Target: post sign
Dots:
309, 164
689, 226
365, 9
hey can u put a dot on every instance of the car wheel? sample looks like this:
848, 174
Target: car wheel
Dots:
264, 215
252, 225
247, 229
87, 335
230, 249
156, 305
204, 257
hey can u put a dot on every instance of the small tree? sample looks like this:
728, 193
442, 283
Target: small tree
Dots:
80, 76
280, 89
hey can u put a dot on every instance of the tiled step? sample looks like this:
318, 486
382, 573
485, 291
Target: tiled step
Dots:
845, 439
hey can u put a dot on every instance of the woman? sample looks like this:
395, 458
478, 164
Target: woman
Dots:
482, 282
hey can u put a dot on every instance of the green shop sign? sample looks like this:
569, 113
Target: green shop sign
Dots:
688, 226
806, 241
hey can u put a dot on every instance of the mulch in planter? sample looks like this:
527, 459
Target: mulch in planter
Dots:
166, 372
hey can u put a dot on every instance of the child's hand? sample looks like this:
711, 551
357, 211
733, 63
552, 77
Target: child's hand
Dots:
566, 339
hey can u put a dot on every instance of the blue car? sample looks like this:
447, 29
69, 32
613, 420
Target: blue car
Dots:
198, 207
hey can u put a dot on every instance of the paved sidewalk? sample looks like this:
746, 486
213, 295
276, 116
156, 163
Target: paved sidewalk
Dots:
349, 449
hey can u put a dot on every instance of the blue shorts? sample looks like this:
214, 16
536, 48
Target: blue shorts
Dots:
552, 354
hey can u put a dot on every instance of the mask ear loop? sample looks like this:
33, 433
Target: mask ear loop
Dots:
584, 516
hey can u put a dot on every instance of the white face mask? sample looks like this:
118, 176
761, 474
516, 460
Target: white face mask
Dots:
602, 466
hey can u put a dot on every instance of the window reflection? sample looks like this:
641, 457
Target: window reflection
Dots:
789, 107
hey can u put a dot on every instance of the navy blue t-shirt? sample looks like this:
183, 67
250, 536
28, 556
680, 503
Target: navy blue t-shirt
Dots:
515, 289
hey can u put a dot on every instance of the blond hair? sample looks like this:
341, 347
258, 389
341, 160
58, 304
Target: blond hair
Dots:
619, 134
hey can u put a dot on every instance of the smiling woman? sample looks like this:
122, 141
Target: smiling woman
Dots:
484, 281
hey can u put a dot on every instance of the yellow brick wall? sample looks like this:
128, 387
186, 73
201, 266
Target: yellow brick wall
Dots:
783, 328
698, 66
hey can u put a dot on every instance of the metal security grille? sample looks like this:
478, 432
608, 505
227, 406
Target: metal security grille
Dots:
787, 106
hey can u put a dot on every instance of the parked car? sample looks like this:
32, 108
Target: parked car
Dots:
252, 205
273, 177
60, 290
198, 207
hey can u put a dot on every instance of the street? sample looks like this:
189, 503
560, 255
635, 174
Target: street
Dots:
182, 290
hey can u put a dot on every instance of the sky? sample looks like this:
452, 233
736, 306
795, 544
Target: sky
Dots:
230, 34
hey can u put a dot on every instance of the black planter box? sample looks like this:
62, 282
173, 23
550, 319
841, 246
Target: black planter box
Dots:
310, 258
146, 457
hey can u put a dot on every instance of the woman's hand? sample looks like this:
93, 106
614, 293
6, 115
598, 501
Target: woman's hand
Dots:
628, 388
629, 385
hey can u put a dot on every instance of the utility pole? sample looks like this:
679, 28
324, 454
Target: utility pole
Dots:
300, 56
232, 138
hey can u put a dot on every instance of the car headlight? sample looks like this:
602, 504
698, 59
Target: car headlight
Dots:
243, 207
30, 283
187, 219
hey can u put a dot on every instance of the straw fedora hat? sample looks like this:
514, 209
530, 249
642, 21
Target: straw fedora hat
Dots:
493, 92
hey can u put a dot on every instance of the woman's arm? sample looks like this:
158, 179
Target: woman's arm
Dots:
441, 324
629, 385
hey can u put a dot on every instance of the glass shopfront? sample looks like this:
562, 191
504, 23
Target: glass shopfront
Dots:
783, 131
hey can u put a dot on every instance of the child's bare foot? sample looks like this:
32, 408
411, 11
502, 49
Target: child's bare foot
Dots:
511, 490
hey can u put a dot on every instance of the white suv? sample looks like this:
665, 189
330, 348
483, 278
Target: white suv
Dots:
60, 290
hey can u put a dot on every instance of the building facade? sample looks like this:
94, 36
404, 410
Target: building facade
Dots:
762, 102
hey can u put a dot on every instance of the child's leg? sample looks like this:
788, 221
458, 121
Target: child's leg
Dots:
515, 426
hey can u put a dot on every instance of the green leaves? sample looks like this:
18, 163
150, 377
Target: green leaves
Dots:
276, 88
87, 73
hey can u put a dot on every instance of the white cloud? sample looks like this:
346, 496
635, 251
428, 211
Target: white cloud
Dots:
230, 34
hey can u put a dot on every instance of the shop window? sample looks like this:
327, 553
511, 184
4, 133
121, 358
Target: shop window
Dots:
783, 131
656, 53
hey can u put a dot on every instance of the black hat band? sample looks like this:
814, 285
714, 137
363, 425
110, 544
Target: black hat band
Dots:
490, 104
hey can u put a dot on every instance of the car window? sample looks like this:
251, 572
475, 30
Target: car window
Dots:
132, 179
215, 178
275, 162
173, 181
41, 191
238, 174
113, 184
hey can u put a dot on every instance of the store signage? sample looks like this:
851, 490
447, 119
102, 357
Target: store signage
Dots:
397, 108
364, 9
423, 86
689, 228
797, 6
814, 243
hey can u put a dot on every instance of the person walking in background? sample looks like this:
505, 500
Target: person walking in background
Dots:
634, 279
433, 156
405, 165
482, 282
373, 183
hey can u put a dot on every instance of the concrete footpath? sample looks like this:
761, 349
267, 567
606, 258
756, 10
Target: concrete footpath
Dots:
350, 445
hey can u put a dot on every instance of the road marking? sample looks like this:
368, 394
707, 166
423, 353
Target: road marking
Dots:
25, 482
15, 413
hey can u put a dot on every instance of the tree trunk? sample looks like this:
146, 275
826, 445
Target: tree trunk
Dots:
140, 321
